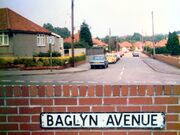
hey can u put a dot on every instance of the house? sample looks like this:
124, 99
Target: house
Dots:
22, 37
161, 43
76, 38
138, 46
125, 46
99, 43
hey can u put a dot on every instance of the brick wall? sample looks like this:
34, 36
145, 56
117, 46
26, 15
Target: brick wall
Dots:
20, 106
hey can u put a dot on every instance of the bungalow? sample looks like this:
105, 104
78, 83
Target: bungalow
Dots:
125, 46
21, 37
99, 43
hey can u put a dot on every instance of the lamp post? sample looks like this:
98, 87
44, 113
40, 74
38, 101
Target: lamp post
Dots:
154, 51
72, 30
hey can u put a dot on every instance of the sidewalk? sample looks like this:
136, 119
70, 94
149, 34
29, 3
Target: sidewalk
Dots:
161, 66
17, 72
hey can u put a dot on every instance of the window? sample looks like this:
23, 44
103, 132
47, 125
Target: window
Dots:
4, 39
40, 40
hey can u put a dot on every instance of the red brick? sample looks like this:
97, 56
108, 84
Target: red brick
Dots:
66, 133
116, 90
41, 91
18, 118
171, 117
1, 101
43, 133
115, 133
158, 90
66, 101
168, 90
103, 109
17, 102
150, 90
107, 90
54, 109
91, 90
2, 118
9, 91
165, 133
140, 100
33, 91
79, 109
58, 90
133, 90
35, 118
128, 108
30, 127
141, 90
90, 133
49, 91
90, 101
30, 110
1, 91
19, 133
99, 90
66, 90
139, 133
112, 101
154, 108
124, 90
176, 90
17, 91
5, 126
75, 91
83, 90
8, 110
41, 101
173, 126
174, 109
25, 91
166, 100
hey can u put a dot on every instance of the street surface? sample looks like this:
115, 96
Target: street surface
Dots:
129, 70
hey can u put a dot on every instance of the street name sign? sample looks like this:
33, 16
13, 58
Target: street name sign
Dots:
136, 120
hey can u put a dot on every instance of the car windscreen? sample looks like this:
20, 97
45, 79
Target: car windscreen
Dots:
98, 58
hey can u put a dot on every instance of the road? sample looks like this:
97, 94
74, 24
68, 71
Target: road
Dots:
129, 70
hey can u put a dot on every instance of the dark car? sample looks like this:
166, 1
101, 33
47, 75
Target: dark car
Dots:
98, 61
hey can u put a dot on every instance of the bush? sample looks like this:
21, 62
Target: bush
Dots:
6, 61
161, 50
47, 54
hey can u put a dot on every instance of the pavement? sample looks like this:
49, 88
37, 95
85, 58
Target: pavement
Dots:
157, 66
17, 72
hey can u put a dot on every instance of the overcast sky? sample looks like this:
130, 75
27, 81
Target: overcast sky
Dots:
124, 17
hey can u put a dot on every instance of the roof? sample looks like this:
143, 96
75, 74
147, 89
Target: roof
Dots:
12, 21
125, 44
98, 42
161, 43
76, 38
138, 44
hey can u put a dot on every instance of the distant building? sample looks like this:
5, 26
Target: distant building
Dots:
76, 38
138, 46
99, 43
22, 37
125, 46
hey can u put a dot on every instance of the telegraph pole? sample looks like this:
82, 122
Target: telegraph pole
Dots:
110, 39
72, 30
154, 51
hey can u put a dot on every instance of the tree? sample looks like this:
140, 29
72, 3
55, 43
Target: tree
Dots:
63, 32
173, 44
85, 34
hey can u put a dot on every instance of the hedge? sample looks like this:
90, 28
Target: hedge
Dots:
39, 61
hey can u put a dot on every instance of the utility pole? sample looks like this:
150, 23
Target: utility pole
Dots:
110, 39
154, 51
72, 30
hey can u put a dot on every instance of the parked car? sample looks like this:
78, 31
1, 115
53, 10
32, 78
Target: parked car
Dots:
98, 61
111, 58
135, 54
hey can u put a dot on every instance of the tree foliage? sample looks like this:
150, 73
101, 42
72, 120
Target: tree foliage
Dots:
173, 44
63, 32
85, 34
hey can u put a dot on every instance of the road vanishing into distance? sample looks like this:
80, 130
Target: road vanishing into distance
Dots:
128, 70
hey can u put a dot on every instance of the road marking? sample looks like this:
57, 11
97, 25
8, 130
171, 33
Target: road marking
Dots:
6, 81
19, 81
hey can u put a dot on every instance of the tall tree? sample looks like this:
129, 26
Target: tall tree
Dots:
85, 34
173, 44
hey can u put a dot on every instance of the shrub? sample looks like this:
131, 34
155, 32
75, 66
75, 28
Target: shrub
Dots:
47, 54
6, 61
161, 50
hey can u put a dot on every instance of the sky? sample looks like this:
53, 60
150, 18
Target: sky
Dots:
122, 17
